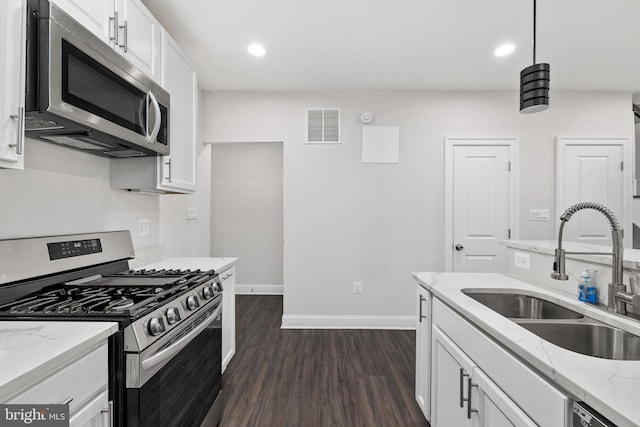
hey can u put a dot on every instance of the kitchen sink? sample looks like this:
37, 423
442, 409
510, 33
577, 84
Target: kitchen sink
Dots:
592, 339
518, 306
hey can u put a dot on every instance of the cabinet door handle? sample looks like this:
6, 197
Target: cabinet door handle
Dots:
462, 375
470, 385
67, 401
113, 20
20, 136
124, 36
109, 412
169, 164
422, 299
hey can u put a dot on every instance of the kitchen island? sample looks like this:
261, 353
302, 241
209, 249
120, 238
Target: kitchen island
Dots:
609, 386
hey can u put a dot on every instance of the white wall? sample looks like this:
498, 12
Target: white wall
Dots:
246, 209
345, 221
63, 191
181, 237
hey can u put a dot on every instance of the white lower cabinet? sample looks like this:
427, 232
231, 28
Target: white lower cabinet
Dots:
228, 279
423, 351
477, 383
450, 389
83, 384
495, 408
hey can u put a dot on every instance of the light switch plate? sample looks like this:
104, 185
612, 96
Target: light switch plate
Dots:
143, 227
522, 260
192, 213
538, 214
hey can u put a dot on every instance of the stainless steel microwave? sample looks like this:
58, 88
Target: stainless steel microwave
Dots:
81, 93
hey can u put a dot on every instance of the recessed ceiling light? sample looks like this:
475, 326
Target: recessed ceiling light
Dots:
504, 50
256, 50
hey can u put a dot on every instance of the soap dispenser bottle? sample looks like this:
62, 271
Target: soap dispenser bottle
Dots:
587, 292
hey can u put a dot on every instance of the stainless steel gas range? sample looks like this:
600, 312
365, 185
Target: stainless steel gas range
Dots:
165, 360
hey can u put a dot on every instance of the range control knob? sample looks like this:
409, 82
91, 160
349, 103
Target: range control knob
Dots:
156, 326
192, 302
208, 292
173, 315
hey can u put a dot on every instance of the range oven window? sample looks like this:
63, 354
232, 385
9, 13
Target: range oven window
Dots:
183, 391
89, 85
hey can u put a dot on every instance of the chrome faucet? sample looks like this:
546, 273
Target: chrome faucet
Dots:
618, 298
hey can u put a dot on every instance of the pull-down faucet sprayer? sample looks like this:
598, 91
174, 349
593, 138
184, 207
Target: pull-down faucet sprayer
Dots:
617, 297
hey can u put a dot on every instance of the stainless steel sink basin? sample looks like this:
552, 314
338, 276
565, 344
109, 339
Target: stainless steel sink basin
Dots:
593, 339
517, 306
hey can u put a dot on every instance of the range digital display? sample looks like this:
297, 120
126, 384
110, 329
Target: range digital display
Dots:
59, 250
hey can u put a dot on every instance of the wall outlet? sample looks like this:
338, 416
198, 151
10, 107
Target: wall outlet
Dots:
357, 287
522, 260
538, 214
192, 213
143, 227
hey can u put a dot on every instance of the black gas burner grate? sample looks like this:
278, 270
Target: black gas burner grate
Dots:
129, 293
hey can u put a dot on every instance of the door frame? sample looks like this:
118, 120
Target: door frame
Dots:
514, 186
627, 175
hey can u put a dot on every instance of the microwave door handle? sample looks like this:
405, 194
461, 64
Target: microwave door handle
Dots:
158, 119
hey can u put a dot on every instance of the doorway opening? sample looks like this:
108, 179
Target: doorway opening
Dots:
247, 212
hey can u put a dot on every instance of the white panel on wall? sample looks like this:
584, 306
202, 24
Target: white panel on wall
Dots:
380, 144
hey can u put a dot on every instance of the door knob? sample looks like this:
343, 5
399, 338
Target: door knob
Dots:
459, 247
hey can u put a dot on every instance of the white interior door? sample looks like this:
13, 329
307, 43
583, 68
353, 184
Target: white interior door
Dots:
481, 207
590, 171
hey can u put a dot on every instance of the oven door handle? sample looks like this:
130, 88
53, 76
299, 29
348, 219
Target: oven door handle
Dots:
174, 348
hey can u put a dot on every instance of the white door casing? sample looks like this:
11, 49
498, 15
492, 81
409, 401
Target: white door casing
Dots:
593, 170
481, 188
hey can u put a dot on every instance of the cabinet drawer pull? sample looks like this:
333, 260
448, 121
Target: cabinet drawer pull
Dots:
470, 385
462, 375
109, 412
124, 36
67, 401
168, 163
422, 299
113, 20
20, 136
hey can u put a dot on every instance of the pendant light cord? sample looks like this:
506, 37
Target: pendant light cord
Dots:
534, 31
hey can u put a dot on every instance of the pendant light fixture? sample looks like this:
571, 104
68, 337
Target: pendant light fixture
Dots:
534, 81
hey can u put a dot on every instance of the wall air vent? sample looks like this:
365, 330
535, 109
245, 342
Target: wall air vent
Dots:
323, 126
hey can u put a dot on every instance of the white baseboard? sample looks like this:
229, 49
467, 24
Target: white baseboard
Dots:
348, 322
259, 289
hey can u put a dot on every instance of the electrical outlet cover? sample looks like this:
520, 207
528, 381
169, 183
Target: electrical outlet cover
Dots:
522, 260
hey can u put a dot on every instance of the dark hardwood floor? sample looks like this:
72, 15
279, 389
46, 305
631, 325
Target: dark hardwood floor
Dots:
323, 378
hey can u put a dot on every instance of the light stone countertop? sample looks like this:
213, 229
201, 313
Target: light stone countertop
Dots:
611, 387
31, 351
193, 263
631, 257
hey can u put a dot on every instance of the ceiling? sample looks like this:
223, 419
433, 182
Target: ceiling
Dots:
405, 44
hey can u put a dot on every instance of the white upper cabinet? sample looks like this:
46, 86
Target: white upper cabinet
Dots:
179, 79
175, 173
98, 16
127, 25
139, 36
12, 70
